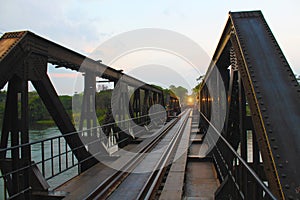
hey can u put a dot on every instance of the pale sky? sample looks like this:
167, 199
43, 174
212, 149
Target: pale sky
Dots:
83, 25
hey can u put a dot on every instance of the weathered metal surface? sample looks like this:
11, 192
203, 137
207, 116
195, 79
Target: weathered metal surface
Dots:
143, 185
8, 41
16, 123
174, 184
63, 57
102, 179
12, 55
55, 108
272, 93
201, 180
275, 96
69, 59
26, 55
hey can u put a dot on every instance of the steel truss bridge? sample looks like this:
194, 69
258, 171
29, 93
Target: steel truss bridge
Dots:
248, 70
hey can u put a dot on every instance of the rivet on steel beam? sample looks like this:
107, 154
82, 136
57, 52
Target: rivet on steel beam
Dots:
280, 166
283, 175
277, 156
290, 197
275, 147
272, 139
287, 186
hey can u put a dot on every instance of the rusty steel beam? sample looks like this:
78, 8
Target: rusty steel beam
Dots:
54, 106
271, 80
26, 54
272, 92
63, 57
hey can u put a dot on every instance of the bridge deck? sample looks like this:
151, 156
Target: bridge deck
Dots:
192, 175
173, 187
201, 177
80, 187
201, 180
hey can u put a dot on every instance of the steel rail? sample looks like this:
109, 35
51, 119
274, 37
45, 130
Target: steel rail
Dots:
42, 162
153, 180
105, 188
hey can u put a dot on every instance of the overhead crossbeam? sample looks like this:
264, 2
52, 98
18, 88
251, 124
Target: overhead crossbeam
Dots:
59, 55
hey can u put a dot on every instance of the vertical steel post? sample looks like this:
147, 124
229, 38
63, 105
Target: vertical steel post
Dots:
145, 106
16, 114
243, 133
88, 113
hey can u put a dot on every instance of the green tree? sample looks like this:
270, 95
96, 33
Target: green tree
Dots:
37, 109
179, 91
196, 90
103, 104
2, 105
67, 103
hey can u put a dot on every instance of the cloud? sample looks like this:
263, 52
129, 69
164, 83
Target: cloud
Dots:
64, 75
70, 23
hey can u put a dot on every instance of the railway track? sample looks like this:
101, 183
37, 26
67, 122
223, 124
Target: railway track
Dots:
142, 174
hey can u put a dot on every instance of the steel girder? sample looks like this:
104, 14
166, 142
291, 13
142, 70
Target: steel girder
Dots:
273, 95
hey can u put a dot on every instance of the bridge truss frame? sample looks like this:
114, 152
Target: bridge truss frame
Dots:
255, 74
24, 57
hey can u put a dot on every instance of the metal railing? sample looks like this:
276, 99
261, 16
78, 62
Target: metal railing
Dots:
53, 157
240, 180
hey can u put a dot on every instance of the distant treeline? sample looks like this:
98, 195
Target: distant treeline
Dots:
38, 113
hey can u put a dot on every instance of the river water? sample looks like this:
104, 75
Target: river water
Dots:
41, 134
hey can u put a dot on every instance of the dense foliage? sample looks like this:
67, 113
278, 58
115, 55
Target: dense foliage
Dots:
38, 113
